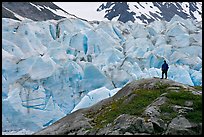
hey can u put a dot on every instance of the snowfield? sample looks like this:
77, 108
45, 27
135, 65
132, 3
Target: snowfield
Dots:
52, 68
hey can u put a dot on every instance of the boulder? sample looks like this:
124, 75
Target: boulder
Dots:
179, 126
124, 122
158, 124
128, 133
181, 109
159, 101
152, 111
188, 103
143, 127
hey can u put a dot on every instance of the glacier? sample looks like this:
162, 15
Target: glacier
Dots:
53, 68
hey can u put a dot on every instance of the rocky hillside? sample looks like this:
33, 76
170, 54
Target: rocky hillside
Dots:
145, 107
147, 12
36, 11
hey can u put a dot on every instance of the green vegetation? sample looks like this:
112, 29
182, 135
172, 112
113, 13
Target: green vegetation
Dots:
196, 114
138, 100
141, 99
161, 86
179, 98
198, 87
167, 113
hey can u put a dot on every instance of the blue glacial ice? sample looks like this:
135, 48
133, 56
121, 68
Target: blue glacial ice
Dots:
53, 68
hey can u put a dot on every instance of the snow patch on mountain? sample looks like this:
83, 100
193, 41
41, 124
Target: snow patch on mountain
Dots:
146, 12
37, 6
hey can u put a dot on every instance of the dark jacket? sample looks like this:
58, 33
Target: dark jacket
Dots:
165, 67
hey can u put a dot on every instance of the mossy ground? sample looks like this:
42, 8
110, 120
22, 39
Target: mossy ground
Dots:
179, 98
136, 106
141, 100
198, 87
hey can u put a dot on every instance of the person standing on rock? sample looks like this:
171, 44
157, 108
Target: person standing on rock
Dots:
165, 68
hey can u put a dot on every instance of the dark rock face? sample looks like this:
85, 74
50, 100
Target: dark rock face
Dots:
166, 11
180, 126
149, 122
7, 14
29, 10
119, 9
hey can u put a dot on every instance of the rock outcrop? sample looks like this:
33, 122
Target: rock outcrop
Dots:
145, 107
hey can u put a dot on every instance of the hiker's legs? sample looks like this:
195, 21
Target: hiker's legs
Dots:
165, 74
162, 74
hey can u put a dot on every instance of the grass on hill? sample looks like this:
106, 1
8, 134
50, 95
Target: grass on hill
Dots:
141, 98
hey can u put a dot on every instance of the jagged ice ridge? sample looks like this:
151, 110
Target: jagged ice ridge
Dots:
52, 68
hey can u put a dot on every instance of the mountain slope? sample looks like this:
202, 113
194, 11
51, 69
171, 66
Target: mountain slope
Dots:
147, 106
146, 12
36, 11
141, 12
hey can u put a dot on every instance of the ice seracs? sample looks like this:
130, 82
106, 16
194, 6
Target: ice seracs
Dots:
52, 68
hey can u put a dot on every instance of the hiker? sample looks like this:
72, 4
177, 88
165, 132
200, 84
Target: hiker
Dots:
165, 68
